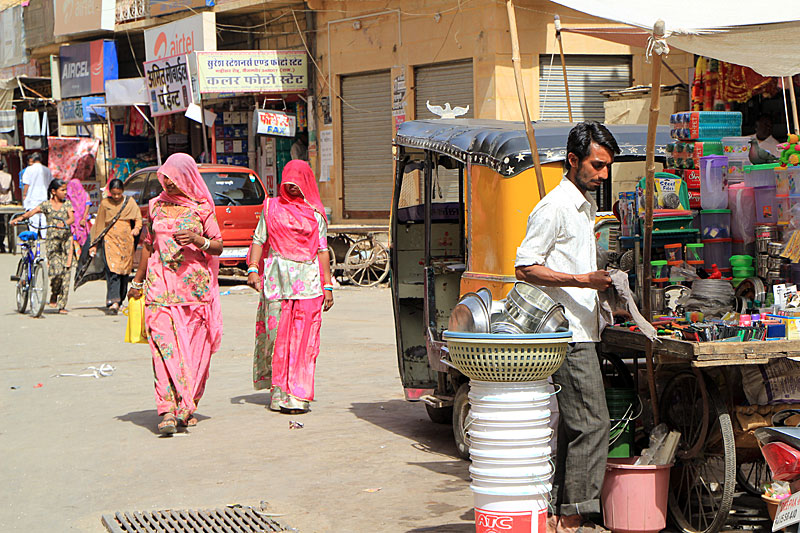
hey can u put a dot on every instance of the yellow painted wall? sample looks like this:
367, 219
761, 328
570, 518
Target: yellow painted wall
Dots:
439, 31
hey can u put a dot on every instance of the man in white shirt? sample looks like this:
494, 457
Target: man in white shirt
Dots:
6, 197
559, 255
35, 182
764, 135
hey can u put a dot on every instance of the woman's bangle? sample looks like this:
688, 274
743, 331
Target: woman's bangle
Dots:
327, 289
206, 244
252, 270
137, 285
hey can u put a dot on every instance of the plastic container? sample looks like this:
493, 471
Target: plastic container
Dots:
515, 512
743, 272
674, 253
742, 202
736, 147
716, 223
735, 170
782, 205
694, 253
793, 179
759, 175
713, 192
741, 260
743, 248
782, 177
622, 407
766, 208
717, 252
635, 497
510, 393
659, 270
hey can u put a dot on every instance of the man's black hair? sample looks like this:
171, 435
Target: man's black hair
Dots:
583, 135
35, 157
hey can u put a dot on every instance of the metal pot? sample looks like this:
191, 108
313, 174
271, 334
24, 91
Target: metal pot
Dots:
656, 300
766, 232
527, 306
774, 249
555, 321
762, 270
773, 276
774, 263
469, 315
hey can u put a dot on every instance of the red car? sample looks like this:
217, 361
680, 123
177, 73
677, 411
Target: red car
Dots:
238, 195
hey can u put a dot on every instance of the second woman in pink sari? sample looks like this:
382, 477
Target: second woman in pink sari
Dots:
182, 314
80, 201
296, 287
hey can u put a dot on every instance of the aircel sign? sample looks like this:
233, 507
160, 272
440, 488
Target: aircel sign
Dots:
181, 37
85, 67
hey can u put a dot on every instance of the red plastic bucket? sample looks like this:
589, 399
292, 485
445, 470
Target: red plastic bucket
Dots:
635, 497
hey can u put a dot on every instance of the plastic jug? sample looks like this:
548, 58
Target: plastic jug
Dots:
713, 188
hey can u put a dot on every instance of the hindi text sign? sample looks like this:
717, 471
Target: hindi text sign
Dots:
252, 71
275, 123
168, 85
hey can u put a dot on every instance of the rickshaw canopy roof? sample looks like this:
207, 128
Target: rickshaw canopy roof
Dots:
503, 146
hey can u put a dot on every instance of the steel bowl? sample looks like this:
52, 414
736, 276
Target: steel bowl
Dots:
555, 321
506, 327
470, 315
774, 249
527, 306
486, 296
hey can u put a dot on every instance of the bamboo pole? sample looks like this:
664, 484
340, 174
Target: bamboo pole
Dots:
515, 60
650, 169
794, 105
563, 65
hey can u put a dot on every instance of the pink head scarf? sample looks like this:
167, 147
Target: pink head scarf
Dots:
78, 197
291, 224
182, 170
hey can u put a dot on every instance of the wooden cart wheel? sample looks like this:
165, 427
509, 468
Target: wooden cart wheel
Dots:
460, 416
332, 256
703, 478
367, 262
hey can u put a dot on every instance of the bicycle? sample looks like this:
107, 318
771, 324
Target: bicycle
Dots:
32, 277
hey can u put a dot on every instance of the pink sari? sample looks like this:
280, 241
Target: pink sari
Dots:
79, 199
182, 314
292, 232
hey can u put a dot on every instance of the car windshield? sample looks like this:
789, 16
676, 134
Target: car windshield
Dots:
234, 188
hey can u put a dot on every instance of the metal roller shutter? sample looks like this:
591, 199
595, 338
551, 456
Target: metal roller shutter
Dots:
367, 144
444, 83
587, 77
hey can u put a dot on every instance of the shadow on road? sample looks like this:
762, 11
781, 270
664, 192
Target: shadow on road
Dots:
458, 469
445, 528
258, 398
149, 419
408, 420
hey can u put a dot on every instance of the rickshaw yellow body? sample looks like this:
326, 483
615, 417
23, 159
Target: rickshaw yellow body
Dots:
496, 219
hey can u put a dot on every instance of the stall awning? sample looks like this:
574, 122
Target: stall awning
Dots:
126, 92
759, 36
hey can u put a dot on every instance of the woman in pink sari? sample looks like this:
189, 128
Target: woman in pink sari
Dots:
80, 201
181, 290
296, 286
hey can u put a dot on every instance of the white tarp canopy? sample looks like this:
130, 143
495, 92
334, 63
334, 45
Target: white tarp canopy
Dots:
760, 35
126, 92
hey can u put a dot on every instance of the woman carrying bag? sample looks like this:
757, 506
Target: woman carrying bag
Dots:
118, 223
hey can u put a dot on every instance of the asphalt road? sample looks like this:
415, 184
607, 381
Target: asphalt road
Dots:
74, 448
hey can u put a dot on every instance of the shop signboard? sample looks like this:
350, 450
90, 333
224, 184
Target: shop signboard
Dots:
12, 37
165, 7
275, 123
168, 85
252, 71
72, 17
85, 67
181, 37
82, 110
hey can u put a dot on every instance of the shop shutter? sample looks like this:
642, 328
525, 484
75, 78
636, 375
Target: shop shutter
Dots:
367, 144
439, 84
587, 76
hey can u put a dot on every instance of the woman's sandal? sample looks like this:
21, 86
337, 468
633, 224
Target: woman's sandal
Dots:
190, 423
168, 425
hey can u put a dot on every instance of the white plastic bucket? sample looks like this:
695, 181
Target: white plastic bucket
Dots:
483, 450
511, 487
503, 406
511, 414
503, 512
499, 392
527, 469
501, 425
539, 433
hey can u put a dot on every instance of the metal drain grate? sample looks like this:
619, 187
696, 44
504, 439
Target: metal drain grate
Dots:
227, 520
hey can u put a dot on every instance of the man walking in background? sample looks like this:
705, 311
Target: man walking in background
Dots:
35, 181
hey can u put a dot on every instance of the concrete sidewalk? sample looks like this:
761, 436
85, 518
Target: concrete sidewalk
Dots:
75, 448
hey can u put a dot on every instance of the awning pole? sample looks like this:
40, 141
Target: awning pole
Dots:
203, 127
563, 65
515, 60
650, 170
794, 104
158, 141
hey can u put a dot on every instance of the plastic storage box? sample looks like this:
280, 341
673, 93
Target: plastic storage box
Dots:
736, 147
713, 188
766, 208
716, 223
660, 271
694, 253
717, 252
759, 175
674, 253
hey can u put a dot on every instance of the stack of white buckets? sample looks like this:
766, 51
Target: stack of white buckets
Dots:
509, 436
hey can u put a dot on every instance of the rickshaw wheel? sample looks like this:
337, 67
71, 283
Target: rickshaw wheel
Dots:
460, 414
752, 475
367, 262
440, 415
703, 481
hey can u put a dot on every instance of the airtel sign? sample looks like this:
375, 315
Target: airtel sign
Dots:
181, 37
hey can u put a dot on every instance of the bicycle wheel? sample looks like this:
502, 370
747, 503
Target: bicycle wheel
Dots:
22, 285
38, 288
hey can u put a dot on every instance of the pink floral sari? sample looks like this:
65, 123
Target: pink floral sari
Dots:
182, 313
79, 199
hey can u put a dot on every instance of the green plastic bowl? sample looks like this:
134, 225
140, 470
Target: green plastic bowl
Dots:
741, 260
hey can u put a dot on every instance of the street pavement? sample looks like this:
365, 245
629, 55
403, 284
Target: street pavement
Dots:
74, 448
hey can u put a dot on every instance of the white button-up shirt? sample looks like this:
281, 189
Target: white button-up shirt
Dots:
560, 236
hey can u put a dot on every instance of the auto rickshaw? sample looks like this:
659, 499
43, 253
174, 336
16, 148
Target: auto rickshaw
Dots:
463, 191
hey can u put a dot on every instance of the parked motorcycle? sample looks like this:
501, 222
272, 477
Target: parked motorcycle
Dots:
780, 446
